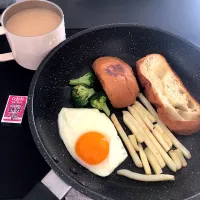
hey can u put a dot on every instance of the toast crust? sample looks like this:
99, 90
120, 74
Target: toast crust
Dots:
177, 125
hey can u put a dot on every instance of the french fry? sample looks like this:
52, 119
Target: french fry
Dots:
153, 162
144, 160
149, 138
175, 158
170, 163
133, 141
165, 136
146, 178
149, 115
126, 141
132, 125
176, 143
160, 139
167, 139
159, 128
144, 117
181, 157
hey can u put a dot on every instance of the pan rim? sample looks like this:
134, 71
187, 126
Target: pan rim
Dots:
35, 134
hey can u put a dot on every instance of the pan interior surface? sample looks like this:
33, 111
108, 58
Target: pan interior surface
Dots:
50, 92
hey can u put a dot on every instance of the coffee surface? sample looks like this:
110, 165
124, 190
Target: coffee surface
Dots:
33, 22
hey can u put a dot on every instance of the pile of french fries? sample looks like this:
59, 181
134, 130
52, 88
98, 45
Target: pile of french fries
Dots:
151, 145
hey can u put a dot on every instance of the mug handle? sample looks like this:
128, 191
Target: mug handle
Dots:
5, 56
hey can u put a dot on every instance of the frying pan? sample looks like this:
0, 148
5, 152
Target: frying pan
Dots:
49, 92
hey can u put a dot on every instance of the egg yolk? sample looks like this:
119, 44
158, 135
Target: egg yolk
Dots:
92, 147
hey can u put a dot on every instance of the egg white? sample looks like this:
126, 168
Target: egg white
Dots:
74, 122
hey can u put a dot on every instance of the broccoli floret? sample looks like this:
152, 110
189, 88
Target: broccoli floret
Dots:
80, 95
88, 79
98, 100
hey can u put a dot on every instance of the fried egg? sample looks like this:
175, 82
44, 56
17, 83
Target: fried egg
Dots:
91, 139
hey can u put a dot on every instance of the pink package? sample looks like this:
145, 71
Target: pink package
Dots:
14, 109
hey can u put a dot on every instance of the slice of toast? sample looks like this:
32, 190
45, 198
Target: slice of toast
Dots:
165, 90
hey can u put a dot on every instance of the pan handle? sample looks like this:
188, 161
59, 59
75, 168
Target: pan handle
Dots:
51, 187
40, 191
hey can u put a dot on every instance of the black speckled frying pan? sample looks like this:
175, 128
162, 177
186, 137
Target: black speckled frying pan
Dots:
49, 92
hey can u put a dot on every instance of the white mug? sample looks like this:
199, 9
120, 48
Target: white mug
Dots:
30, 51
